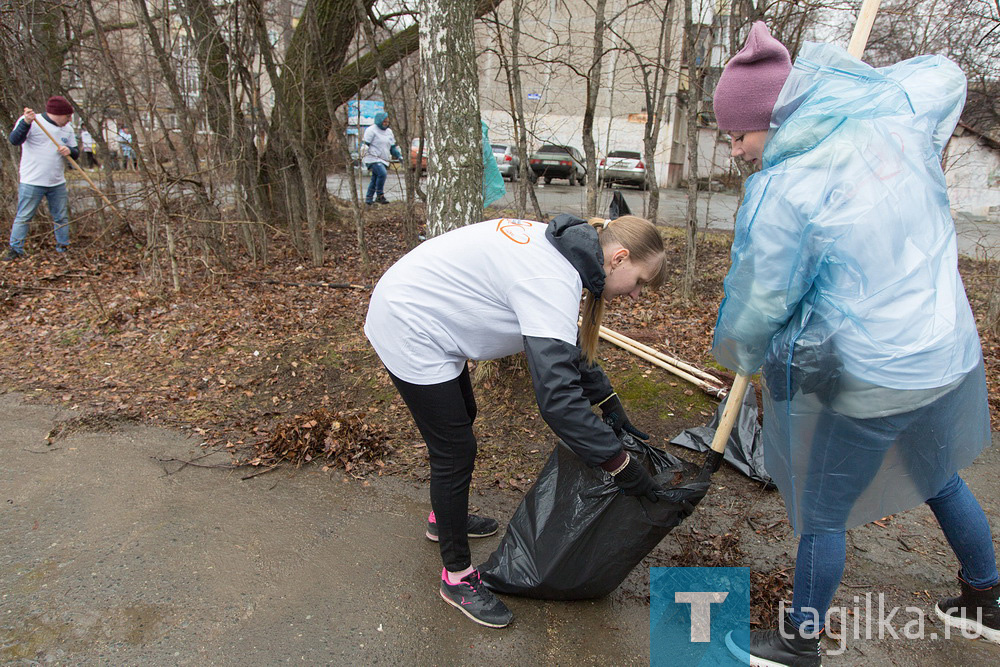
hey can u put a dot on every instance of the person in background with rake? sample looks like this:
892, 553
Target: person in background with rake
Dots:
42, 172
89, 149
844, 288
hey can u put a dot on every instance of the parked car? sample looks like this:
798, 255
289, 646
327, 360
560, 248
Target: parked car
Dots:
414, 148
555, 161
622, 167
507, 161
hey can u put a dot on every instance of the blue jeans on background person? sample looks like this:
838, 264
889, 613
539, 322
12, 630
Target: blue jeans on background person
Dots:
377, 184
819, 564
28, 199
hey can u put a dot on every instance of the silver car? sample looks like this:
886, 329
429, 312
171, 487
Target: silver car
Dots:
507, 161
622, 167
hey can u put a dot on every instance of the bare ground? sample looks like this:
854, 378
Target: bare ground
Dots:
253, 362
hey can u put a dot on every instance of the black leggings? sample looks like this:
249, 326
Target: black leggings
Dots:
444, 414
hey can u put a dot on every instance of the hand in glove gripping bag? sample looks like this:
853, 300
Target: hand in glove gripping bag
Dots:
685, 496
634, 480
615, 417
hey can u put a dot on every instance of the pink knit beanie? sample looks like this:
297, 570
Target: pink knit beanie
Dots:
750, 83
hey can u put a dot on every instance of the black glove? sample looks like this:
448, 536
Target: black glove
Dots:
615, 417
686, 496
635, 480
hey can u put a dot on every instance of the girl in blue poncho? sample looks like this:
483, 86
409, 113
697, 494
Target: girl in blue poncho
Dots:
844, 290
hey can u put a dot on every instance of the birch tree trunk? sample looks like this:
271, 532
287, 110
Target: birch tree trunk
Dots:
450, 81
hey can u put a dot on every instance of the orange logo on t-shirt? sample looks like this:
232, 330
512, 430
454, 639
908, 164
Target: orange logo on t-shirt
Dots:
514, 230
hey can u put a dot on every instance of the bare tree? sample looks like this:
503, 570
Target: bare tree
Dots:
656, 73
695, 77
451, 81
510, 62
593, 80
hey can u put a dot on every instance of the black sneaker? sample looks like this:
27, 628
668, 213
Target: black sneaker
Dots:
381, 200
976, 612
476, 526
788, 647
11, 255
472, 598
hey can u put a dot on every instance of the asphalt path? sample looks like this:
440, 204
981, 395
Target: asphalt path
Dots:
116, 553
978, 237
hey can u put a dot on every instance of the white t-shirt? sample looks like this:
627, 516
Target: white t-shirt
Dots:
382, 141
41, 163
472, 294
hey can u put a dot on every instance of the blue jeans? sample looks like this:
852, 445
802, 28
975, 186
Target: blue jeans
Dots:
819, 564
377, 184
28, 199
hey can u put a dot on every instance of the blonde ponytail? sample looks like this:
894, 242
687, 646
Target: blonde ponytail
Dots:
643, 241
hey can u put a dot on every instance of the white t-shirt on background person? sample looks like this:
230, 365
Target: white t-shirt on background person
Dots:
41, 163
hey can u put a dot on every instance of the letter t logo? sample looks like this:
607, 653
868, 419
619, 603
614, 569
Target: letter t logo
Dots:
701, 611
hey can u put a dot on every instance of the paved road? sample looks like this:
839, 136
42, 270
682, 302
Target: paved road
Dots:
111, 556
977, 237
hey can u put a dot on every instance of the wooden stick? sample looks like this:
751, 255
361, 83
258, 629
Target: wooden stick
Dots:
718, 392
729, 414
863, 28
269, 281
80, 169
673, 361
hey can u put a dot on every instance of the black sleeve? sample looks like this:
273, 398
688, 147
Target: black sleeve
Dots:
555, 372
596, 385
20, 132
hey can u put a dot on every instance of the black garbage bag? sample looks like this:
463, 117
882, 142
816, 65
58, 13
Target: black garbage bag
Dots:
576, 536
618, 206
744, 450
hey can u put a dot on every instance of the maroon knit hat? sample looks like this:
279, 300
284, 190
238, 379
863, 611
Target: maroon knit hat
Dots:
58, 105
750, 83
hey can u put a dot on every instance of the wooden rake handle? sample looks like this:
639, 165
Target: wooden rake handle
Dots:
730, 413
82, 173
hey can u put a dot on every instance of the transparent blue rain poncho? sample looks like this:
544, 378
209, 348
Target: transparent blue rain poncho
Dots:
844, 288
493, 187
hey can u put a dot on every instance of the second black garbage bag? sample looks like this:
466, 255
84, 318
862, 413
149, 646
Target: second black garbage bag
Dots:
575, 536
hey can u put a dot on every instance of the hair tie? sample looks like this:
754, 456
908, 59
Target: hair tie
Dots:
607, 222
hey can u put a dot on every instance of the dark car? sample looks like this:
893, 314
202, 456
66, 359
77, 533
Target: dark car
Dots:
555, 161
622, 167
507, 161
